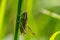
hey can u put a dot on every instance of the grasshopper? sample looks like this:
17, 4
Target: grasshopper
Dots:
23, 23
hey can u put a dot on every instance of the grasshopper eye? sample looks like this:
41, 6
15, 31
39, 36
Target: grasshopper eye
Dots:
24, 15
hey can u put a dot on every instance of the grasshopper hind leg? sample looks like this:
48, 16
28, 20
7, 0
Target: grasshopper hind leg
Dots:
22, 30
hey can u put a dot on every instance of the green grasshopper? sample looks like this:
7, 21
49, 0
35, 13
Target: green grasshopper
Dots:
23, 23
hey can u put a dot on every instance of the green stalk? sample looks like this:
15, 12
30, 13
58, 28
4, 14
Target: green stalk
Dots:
2, 14
54, 35
18, 19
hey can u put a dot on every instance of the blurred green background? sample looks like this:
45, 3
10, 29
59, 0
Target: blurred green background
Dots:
43, 18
